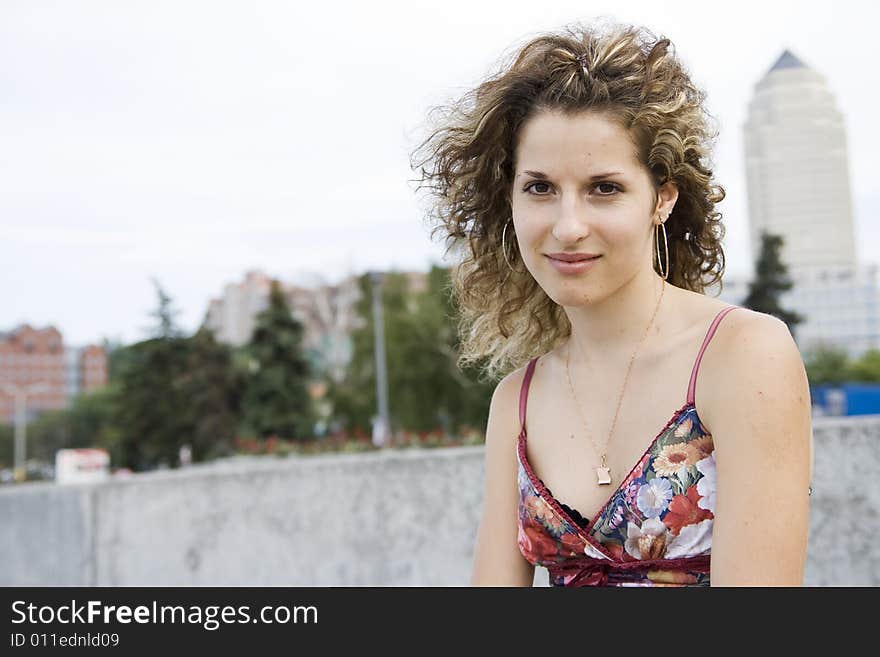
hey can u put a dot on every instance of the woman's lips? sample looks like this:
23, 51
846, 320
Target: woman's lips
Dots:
573, 267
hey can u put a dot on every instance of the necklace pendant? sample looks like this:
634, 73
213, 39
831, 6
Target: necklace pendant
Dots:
603, 475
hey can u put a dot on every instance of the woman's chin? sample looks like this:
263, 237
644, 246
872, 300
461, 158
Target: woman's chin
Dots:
572, 295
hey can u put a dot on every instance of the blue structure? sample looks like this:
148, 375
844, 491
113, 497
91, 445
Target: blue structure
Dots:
846, 399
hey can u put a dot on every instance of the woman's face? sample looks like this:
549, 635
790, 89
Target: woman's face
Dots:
579, 188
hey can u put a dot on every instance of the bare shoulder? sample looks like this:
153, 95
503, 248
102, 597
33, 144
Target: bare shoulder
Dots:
510, 385
754, 397
751, 324
755, 388
504, 406
750, 349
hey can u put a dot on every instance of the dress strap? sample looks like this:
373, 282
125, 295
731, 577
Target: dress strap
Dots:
524, 393
693, 383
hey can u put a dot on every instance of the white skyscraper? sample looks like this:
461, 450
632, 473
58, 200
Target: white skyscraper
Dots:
798, 187
797, 168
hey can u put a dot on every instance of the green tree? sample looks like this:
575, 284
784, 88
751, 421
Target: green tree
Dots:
7, 445
354, 399
426, 389
867, 367
152, 413
457, 397
88, 422
165, 314
117, 358
212, 389
276, 398
827, 364
46, 433
771, 280
91, 419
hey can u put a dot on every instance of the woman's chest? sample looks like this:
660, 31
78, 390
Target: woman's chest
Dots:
661, 508
570, 431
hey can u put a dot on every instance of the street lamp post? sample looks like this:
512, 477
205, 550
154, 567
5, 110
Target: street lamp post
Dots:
20, 393
383, 427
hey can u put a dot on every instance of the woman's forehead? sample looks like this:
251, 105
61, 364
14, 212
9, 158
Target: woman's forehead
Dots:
552, 140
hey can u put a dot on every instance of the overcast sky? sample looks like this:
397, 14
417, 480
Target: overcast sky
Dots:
192, 141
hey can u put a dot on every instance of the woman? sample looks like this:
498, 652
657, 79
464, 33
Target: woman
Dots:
578, 178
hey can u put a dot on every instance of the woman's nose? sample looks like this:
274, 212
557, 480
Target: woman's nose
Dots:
572, 225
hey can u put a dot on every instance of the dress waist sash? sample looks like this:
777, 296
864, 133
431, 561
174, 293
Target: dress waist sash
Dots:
589, 571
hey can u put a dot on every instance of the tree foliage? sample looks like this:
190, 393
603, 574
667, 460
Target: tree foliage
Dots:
212, 388
426, 389
173, 391
771, 280
276, 397
867, 368
828, 364
153, 411
88, 422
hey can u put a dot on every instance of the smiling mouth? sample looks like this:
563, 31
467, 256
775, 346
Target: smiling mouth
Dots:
573, 261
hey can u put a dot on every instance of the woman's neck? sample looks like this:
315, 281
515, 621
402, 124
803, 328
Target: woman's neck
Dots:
613, 327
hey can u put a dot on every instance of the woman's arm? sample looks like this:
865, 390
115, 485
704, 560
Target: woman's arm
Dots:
497, 559
757, 408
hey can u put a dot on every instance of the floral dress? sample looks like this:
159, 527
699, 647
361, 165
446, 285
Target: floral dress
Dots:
656, 527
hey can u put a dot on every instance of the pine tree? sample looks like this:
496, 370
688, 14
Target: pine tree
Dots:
152, 414
166, 314
771, 280
276, 397
212, 389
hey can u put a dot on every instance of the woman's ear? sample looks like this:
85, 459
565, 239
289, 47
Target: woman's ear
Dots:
667, 195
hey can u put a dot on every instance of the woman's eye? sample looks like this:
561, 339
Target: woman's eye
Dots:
609, 187
532, 185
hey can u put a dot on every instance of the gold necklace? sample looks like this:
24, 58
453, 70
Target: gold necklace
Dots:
603, 472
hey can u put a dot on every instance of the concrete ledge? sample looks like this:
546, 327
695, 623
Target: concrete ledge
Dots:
391, 518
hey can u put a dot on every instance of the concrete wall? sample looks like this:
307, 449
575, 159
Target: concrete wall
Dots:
845, 508
396, 518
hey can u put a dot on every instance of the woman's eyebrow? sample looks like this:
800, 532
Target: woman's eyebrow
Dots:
544, 176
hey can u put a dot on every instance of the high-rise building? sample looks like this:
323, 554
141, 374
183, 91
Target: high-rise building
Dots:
797, 172
797, 168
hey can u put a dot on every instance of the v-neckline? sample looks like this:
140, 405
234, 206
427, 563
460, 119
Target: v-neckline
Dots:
554, 503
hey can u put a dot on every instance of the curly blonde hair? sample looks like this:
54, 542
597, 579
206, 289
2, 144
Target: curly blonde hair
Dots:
627, 74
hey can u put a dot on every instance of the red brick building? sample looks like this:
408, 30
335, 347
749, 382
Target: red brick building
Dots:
92, 368
30, 356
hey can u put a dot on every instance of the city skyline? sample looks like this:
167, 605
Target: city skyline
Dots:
132, 154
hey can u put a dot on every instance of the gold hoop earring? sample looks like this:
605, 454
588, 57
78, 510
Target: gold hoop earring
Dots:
665, 246
504, 249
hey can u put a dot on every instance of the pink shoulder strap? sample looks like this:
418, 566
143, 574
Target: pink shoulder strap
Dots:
530, 369
693, 383
524, 393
